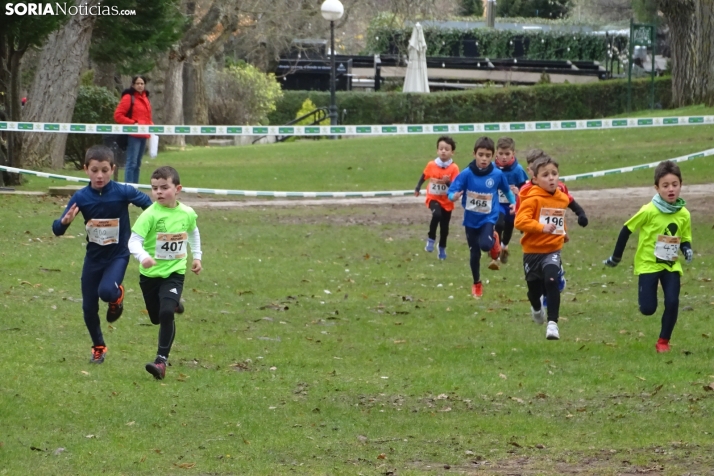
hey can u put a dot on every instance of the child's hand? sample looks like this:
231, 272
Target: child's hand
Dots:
514, 189
549, 228
689, 255
512, 208
69, 216
416, 193
583, 221
566, 238
457, 195
148, 263
196, 266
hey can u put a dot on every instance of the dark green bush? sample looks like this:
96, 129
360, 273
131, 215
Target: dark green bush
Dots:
95, 105
496, 44
527, 103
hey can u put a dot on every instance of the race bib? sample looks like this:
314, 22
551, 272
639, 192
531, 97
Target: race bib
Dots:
502, 197
103, 231
667, 247
436, 188
478, 202
556, 216
171, 245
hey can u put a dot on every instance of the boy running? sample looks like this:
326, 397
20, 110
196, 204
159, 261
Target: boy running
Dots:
516, 177
104, 205
477, 187
531, 157
665, 229
440, 172
541, 218
158, 241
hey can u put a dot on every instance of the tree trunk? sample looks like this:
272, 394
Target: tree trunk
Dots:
54, 90
683, 43
705, 33
10, 84
173, 96
194, 96
105, 76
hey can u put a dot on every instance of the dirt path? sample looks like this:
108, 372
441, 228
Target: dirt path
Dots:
604, 202
615, 194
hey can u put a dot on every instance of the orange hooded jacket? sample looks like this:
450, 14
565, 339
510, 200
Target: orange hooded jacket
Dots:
530, 219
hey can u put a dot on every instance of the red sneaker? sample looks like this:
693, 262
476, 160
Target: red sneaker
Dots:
662, 345
477, 290
496, 248
117, 307
98, 353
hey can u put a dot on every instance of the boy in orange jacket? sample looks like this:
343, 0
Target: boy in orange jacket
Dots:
541, 217
440, 172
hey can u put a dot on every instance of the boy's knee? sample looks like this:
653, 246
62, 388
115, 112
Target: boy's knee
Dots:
166, 313
108, 294
671, 303
648, 309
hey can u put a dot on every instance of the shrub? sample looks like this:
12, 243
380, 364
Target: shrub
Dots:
241, 94
537, 45
527, 103
95, 105
307, 107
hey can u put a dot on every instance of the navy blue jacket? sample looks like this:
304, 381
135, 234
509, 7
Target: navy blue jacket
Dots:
487, 181
112, 201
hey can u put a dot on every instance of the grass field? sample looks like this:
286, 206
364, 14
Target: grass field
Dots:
395, 163
326, 341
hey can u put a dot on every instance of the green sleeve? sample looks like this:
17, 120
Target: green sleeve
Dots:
639, 219
687, 230
192, 223
142, 225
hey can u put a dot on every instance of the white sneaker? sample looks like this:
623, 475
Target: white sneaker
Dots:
551, 332
538, 316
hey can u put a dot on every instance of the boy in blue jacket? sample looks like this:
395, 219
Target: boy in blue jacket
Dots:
477, 186
104, 204
516, 177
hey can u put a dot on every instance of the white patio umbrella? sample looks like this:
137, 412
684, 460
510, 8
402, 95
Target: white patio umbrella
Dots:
416, 80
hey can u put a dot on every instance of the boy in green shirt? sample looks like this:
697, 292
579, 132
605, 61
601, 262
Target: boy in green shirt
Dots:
158, 241
665, 229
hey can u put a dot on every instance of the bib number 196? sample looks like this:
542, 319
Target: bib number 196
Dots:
555, 216
171, 245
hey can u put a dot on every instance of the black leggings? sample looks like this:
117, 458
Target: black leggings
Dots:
439, 217
161, 296
548, 286
504, 227
479, 239
647, 298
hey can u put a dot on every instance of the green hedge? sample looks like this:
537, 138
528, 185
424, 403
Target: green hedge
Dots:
526, 103
491, 43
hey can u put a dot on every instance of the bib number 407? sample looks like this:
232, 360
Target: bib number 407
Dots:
171, 245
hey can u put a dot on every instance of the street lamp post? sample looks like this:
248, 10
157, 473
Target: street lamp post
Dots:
332, 11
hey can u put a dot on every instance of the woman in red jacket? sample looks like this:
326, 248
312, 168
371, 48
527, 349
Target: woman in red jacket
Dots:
134, 108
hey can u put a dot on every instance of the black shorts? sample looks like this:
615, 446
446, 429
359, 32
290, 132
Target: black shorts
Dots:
156, 289
533, 264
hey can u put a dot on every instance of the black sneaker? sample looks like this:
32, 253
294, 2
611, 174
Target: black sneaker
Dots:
179, 309
117, 307
157, 368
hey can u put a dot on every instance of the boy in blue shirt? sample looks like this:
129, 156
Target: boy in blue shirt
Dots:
516, 178
477, 186
104, 205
